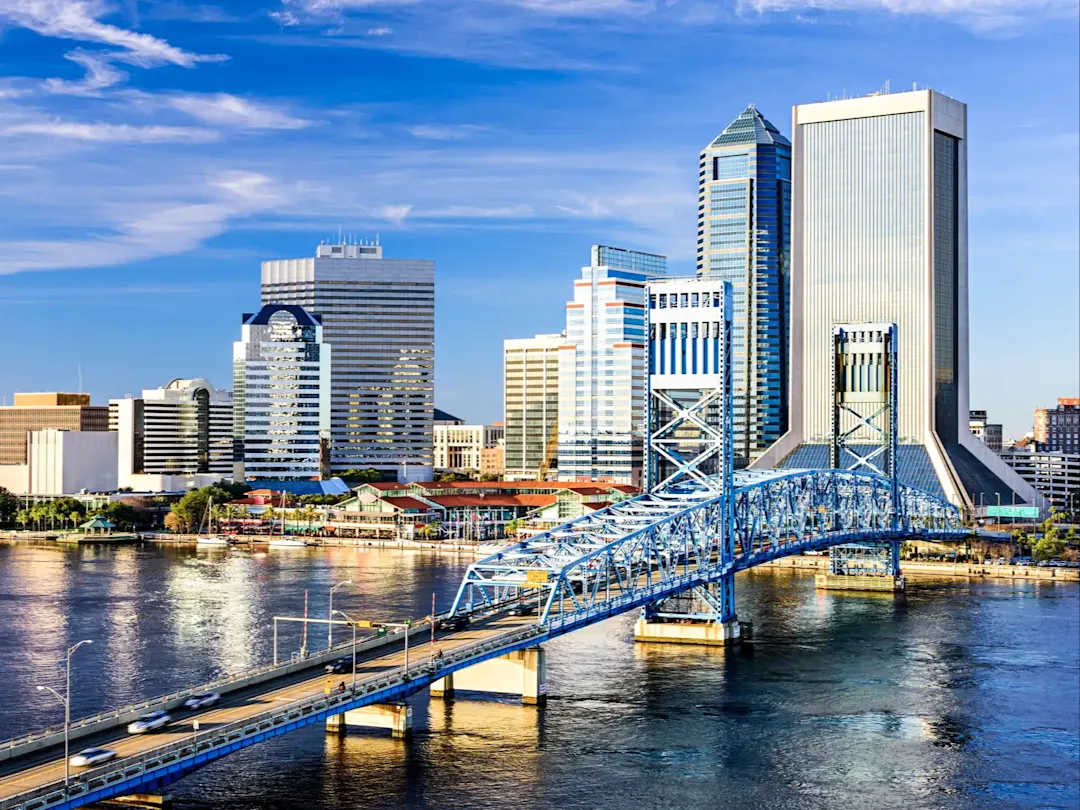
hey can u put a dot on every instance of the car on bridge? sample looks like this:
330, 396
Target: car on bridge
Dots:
202, 700
522, 609
91, 756
452, 623
341, 665
151, 721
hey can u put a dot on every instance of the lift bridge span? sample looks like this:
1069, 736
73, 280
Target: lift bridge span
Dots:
699, 523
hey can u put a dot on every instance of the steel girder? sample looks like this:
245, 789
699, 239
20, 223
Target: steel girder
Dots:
660, 544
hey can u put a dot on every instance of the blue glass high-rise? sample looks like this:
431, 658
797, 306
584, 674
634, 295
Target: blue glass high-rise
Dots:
744, 221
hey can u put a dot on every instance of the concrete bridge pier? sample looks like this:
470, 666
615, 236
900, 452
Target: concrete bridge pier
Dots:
703, 615
147, 801
397, 717
523, 673
863, 567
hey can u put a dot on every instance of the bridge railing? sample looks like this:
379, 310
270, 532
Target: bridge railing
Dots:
222, 684
211, 741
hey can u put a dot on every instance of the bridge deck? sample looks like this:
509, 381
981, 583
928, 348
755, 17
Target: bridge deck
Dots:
18, 778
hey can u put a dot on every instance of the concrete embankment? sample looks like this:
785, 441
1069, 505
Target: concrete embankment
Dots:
917, 568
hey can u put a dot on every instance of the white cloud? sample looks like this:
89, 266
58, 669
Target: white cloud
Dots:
151, 229
286, 19
111, 133
978, 14
453, 132
79, 20
224, 109
380, 32
100, 74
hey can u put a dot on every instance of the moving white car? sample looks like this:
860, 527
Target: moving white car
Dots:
91, 756
202, 700
149, 722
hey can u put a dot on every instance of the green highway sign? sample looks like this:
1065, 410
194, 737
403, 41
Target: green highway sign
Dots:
1013, 511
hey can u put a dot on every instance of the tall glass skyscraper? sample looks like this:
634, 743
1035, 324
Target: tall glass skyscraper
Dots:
379, 315
880, 234
602, 369
744, 236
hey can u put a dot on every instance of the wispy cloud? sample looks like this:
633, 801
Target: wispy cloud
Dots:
451, 132
100, 74
152, 229
111, 133
227, 110
984, 15
80, 20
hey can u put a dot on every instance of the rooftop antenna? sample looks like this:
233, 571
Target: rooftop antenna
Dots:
339, 234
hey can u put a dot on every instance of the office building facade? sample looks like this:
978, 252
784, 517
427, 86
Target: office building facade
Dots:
879, 233
1058, 429
602, 369
985, 431
379, 315
461, 448
531, 406
281, 395
1054, 474
744, 236
41, 411
184, 428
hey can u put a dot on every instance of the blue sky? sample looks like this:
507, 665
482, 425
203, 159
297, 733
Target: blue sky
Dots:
153, 153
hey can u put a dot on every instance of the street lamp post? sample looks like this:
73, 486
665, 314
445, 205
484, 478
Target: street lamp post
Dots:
351, 621
330, 613
66, 701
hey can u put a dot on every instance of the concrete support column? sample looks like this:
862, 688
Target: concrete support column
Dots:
397, 717
151, 801
704, 615
523, 673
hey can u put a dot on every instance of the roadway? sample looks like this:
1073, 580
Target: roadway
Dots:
47, 766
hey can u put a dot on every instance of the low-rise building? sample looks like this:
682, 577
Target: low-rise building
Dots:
460, 448
1058, 429
43, 411
63, 462
173, 437
1053, 474
981, 428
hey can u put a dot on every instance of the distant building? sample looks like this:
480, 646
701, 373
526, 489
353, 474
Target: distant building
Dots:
531, 406
444, 418
281, 397
493, 459
64, 462
744, 236
879, 234
379, 315
44, 411
1054, 474
988, 433
460, 448
1058, 429
173, 433
602, 369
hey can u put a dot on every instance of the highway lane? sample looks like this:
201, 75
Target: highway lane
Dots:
234, 707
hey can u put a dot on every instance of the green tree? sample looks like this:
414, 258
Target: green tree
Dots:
357, 476
122, 514
9, 506
451, 477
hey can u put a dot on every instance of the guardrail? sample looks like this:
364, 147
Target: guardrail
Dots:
209, 744
116, 717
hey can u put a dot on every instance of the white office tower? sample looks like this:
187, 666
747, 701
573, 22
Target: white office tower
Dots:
379, 315
602, 369
169, 435
880, 234
531, 406
281, 381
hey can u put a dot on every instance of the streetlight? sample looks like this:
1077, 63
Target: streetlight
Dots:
67, 710
351, 621
330, 613
402, 626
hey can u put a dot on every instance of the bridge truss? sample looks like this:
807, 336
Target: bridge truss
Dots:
658, 545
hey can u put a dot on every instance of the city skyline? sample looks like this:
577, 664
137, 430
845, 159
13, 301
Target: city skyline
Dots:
508, 200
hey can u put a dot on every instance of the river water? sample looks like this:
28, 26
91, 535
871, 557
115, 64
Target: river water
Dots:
957, 694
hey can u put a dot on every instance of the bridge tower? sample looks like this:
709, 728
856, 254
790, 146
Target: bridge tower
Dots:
689, 431
864, 438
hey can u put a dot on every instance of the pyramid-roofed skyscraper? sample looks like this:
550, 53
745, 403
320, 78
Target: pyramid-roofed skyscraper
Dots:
744, 215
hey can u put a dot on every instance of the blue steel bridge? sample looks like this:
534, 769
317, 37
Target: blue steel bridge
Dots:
630, 556
671, 552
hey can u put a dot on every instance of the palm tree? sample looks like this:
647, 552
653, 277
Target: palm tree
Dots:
74, 517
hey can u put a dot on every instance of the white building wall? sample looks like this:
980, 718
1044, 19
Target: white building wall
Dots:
530, 403
63, 462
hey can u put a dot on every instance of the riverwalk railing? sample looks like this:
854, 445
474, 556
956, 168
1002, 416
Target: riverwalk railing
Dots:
105, 781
